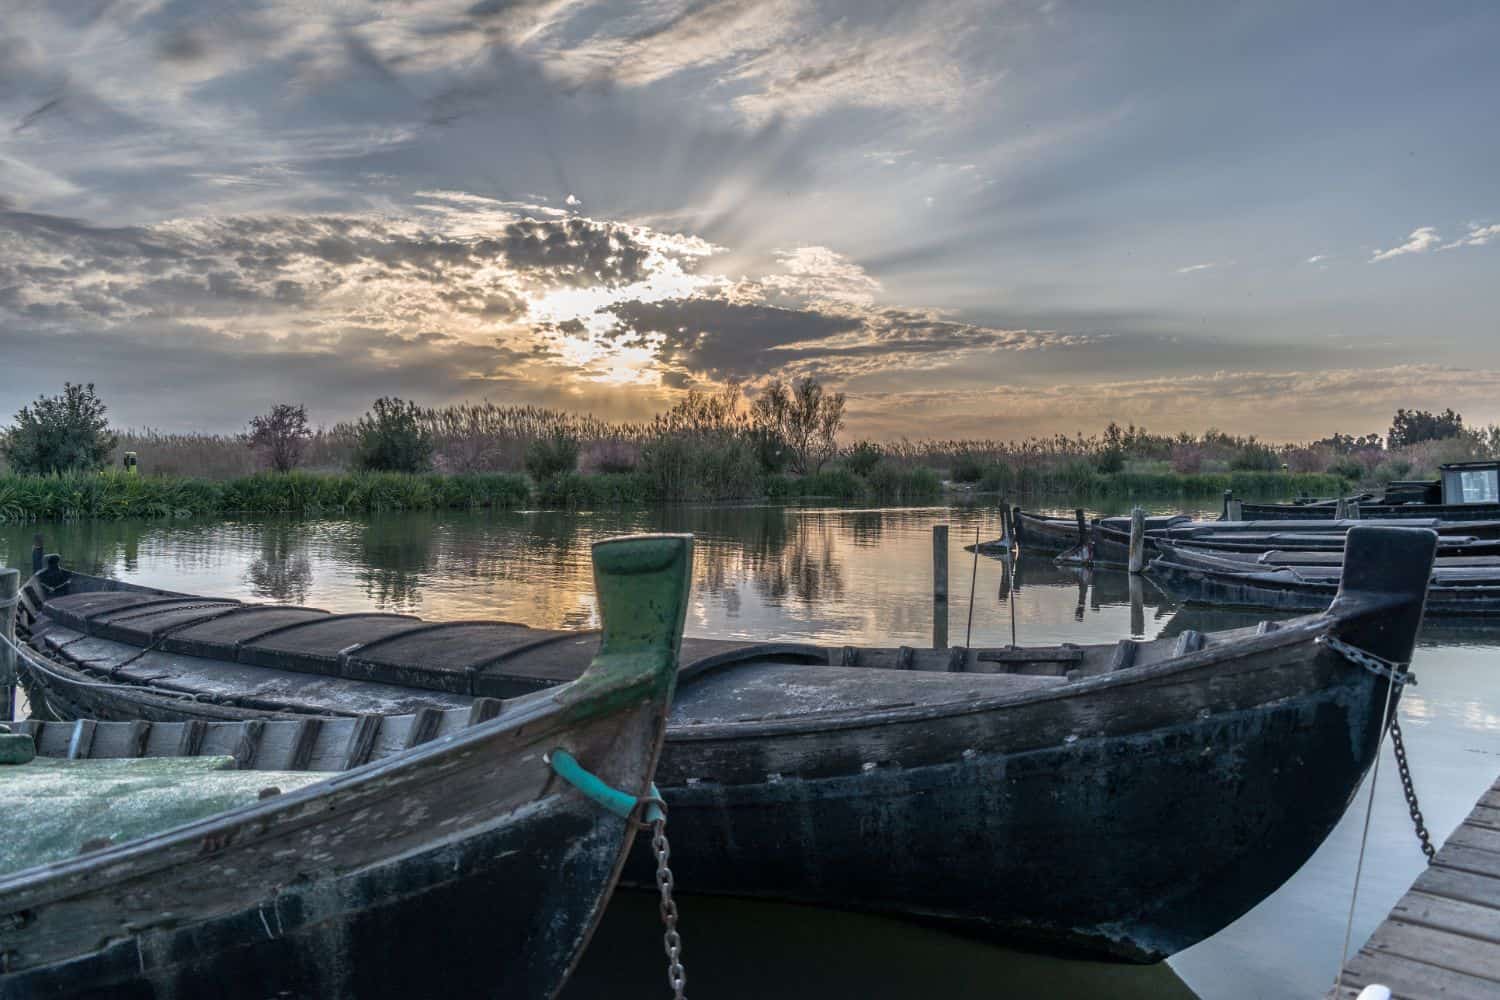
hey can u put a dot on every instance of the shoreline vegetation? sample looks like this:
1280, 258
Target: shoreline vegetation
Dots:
113, 494
63, 462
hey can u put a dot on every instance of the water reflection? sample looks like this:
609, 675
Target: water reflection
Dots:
282, 571
839, 576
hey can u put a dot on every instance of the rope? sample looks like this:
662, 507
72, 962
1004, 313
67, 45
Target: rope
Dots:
1397, 675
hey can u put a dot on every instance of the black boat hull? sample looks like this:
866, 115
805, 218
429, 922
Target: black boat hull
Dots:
1007, 845
468, 919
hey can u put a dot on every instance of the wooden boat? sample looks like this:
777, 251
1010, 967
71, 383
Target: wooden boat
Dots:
1109, 537
1050, 533
1291, 582
1463, 491
1122, 801
413, 855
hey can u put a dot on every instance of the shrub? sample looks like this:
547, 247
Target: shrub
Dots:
59, 434
391, 438
1110, 461
1347, 468
891, 483
551, 456
966, 469
279, 436
611, 456
863, 457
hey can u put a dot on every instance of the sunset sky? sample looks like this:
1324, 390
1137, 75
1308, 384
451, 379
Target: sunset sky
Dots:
979, 219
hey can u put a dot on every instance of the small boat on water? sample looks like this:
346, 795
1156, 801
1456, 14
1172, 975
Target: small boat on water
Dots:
443, 852
1463, 491
1106, 540
1122, 801
1302, 581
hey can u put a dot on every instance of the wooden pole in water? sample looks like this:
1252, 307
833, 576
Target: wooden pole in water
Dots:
10, 588
38, 552
1224, 512
1137, 540
1083, 527
1236, 509
1137, 606
1015, 523
939, 586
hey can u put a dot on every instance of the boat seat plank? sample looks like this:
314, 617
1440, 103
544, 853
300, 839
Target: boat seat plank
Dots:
76, 610
315, 645
249, 685
448, 652
143, 625
222, 635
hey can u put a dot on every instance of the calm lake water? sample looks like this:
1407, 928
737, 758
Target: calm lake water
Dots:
856, 576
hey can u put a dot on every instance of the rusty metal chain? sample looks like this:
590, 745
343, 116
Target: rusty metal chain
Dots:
1397, 675
1377, 665
1398, 746
676, 974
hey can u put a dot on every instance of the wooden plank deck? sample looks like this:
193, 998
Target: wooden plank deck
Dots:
1443, 938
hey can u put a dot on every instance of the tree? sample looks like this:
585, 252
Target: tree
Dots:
58, 434
391, 438
279, 436
805, 417
1412, 426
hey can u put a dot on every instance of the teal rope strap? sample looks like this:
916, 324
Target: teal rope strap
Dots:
622, 804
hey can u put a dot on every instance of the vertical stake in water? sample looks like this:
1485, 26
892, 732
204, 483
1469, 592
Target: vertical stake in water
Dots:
10, 589
973, 580
38, 552
939, 586
1137, 540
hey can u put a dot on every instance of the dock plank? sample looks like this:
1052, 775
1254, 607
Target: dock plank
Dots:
1442, 939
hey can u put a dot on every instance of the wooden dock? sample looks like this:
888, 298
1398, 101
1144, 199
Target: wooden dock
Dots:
1443, 938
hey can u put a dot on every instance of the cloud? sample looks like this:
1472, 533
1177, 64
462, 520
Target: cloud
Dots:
1194, 267
1477, 236
1307, 404
1420, 241
1317, 258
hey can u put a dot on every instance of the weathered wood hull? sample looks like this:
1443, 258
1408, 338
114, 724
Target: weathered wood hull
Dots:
502, 912
1221, 578
1127, 843
1122, 802
454, 862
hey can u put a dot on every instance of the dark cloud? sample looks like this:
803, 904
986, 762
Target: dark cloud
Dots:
722, 339
718, 339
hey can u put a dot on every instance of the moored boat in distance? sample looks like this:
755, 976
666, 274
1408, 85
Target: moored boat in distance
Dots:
1463, 491
1122, 801
440, 852
1298, 581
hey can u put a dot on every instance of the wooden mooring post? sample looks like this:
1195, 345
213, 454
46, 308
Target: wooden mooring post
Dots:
10, 589
1137, 561
38, 552
1083, 526
1236, 510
